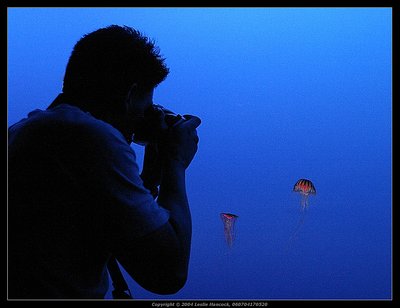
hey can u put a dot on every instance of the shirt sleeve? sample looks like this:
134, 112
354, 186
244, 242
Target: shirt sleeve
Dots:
113, 175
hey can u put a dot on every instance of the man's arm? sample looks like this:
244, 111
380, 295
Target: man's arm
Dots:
159, 261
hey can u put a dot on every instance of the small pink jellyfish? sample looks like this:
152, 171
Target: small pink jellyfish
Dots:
229, 227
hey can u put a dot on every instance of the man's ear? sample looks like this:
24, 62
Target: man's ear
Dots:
132, 92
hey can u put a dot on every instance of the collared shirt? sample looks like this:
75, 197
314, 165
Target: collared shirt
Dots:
75, 196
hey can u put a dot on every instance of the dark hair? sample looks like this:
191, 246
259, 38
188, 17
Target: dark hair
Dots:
105, 63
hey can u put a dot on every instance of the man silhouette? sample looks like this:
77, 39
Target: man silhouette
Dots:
76, 198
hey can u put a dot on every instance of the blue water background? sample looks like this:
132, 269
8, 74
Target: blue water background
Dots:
283, 93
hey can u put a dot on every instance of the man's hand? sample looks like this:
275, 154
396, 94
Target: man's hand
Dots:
180, 141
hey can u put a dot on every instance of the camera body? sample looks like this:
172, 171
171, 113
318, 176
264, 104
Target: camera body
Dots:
157, 120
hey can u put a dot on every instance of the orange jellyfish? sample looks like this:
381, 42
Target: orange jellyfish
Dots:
305, 188
229, 220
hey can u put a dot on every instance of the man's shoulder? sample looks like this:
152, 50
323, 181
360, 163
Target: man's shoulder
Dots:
66, 124
75, 120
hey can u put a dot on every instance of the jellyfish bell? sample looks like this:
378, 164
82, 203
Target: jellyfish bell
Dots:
229, 219
228, 216
305, 188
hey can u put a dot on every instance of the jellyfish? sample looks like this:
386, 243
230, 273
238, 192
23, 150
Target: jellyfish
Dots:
229, 220
305, 188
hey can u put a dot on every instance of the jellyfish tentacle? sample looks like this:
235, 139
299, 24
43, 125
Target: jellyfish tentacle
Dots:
228, 220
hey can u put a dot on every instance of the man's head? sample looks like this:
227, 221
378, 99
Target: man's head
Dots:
109, 65
105, 63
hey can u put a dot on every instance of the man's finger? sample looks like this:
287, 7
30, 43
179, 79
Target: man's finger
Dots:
191, 122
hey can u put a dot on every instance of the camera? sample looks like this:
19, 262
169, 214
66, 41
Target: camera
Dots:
155, 123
